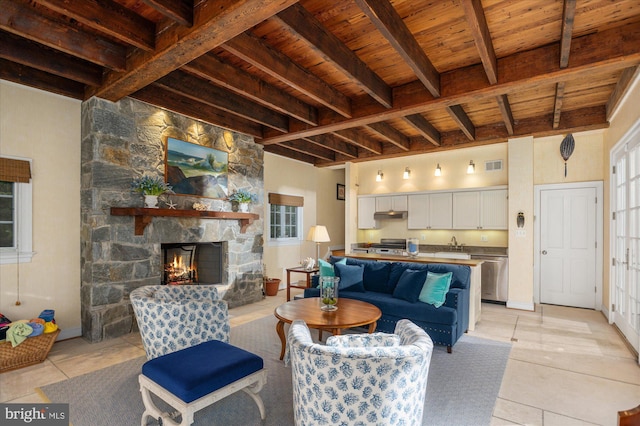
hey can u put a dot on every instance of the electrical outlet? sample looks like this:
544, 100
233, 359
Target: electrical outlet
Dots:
423, 237
521, 233
484, 238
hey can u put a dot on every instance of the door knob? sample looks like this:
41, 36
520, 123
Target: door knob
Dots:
544, 252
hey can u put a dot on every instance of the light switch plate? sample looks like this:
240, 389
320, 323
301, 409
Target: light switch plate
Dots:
521, 233
484, 238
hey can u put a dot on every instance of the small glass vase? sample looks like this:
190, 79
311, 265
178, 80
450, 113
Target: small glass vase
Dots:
413, 247
329, 293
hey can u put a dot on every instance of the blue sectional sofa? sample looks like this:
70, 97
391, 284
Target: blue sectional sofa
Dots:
444, 324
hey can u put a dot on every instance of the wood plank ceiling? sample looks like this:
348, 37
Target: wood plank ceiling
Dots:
327, 82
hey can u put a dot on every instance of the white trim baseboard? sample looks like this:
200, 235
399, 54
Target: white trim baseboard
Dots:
521, 305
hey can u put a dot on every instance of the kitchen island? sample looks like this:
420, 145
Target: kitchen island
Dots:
475, 295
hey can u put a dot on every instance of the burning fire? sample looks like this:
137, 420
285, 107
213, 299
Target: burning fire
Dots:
177, 271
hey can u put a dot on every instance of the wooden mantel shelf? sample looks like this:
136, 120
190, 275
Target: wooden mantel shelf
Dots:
144, 216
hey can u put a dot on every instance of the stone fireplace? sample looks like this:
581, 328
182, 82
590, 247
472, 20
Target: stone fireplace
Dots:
124, 140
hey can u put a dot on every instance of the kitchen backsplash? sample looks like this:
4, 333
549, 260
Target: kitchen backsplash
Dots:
398, 229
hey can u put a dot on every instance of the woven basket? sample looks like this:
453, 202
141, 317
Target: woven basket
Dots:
33, 350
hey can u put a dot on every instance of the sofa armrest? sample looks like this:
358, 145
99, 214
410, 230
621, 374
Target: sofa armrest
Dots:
458, 299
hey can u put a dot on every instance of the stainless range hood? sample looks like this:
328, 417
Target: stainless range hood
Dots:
390, 215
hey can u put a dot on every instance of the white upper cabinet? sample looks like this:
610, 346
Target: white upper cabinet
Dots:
366, 209
494, 207
396, 203
466, 210
480, 209
429, 211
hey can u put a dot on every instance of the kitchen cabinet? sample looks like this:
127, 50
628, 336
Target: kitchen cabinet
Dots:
366, 209
494, 208
480, 209
430, 211
397, 203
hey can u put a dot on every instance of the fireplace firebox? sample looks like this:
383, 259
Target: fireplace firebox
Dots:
193, 263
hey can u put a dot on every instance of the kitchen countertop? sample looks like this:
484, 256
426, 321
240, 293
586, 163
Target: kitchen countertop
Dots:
472, 250
396, 258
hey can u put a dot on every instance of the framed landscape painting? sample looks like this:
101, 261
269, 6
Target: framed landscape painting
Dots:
193, 169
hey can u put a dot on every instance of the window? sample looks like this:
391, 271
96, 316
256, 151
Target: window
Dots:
15, 211
7, 218
285, 218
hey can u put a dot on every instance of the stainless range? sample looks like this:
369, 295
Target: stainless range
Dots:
395, 246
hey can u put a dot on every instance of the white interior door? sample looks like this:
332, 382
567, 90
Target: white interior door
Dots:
625, 231
568, 247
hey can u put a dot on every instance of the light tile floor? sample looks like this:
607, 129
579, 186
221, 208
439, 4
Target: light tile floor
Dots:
567, 367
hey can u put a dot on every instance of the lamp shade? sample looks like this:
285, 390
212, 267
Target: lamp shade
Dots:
318, 234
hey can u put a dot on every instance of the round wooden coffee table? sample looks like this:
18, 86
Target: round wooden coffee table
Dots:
350, 313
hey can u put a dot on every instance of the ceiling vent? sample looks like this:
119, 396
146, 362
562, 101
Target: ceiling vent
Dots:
493, 166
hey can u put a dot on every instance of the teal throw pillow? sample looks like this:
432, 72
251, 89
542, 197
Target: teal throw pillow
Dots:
409, 285
435, 289
351, 277
326, 268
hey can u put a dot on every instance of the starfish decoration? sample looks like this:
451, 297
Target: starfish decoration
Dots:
170, 204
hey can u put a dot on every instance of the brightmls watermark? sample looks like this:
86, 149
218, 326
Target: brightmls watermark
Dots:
34, 414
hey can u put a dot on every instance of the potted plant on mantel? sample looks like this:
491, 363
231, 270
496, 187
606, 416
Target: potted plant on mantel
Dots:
243, 198
151, 188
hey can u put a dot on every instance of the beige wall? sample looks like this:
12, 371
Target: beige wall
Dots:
46, 128
318, 187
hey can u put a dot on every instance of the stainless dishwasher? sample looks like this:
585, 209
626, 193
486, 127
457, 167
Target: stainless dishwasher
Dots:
494, 277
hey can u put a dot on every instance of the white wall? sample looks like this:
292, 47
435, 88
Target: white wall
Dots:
46, 128
318, 187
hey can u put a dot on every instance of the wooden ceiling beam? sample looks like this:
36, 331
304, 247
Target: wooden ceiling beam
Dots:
425, 128
557, 106
289, 153
618, 48
383, 15
358, 139
31, 77
333, 50
211, 68
109, 18
180, 11
505, 111
623, 85
215, 22
170, 100
335, 144
310, 149
480, 31
584, 119
462, 120
34, 55
199, 90
25, 22
390, 134
568, 13
254, 51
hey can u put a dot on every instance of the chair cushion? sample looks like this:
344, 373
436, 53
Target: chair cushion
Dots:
196, 371
435, 289
351, 277
409, 285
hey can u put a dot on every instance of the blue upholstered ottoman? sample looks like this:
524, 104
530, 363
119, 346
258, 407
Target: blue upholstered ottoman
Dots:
193, 378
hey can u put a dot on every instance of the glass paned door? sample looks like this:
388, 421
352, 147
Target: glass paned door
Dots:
626, 244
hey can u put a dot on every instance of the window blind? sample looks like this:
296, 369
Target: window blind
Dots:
285, 200
14, 170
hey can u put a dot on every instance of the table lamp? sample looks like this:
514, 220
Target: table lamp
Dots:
318, 234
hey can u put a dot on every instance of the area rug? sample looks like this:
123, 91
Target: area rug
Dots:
462, 386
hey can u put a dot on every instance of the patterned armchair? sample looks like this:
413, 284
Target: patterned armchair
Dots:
171, 318
367, 379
